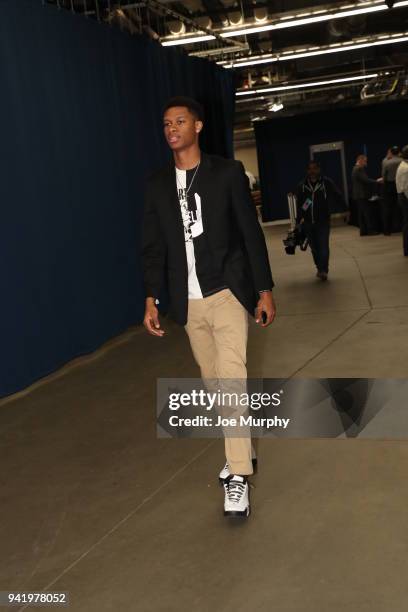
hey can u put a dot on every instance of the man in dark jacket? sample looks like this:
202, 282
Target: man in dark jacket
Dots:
201, 231
390, 211
317, 198
363, 188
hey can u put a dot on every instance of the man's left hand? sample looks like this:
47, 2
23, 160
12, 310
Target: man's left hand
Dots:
267, 305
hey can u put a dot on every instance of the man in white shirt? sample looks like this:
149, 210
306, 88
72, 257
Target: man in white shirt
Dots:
201, 231
389, 206
401, 181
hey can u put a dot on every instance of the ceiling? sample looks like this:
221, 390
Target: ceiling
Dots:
289, 56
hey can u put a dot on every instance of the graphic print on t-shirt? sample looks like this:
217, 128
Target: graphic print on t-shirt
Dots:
203, 279
192, 222
192, 219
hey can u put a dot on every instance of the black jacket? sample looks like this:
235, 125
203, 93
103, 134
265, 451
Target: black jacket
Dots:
317, 201
235, 238
362, 186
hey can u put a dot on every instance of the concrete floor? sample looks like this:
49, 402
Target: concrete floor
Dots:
93, 504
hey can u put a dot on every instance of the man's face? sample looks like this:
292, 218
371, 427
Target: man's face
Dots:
181, 128
313, 172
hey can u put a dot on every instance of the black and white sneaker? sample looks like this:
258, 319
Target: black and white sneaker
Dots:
225, 471
236, 502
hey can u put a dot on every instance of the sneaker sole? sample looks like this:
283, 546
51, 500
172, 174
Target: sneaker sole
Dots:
255, 468
237, 513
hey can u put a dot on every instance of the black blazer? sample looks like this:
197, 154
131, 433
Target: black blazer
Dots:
235, 238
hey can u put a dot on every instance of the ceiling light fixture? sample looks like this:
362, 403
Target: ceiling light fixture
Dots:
290, 21
275, 107
187, 41
261, 14
288, 55
303, 21
307, 85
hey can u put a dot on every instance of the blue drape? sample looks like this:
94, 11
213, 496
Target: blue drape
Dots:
80, 108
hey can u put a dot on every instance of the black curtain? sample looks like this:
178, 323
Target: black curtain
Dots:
283, 145
80, 108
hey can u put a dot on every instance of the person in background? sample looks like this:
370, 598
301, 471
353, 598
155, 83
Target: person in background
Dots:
390, 211
387, 156
401, 180
251, 179
362, 190
317, 198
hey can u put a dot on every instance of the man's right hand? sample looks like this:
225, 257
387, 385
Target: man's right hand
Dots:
151, 318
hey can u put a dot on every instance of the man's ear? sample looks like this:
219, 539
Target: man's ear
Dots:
198, 126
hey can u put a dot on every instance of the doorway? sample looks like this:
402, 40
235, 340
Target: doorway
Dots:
330, 156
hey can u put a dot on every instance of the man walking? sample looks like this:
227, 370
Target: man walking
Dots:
201, 229
390, 211
362, 190
401, 180
317, 198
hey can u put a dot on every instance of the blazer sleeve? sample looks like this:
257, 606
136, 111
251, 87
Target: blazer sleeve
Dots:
247, 221
153, 247
364, 178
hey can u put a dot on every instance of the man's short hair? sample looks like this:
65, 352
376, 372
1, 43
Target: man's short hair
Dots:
361, 156
313, 162
395, 150
193, 106
404, 152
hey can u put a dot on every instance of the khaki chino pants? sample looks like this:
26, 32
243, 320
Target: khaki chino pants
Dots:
217, 328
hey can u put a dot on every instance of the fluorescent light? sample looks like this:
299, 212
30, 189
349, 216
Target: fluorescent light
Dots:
290, 21
398, 38
249, 100
307, 85
306, 20
187, 41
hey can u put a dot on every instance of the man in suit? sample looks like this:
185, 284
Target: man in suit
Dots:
201, 230
362, 190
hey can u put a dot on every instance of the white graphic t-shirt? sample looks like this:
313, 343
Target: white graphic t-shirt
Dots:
193, 227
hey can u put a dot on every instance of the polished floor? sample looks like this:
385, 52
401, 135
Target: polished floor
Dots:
93, 504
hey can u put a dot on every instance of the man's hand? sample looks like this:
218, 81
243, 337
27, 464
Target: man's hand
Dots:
151, 318
265, 304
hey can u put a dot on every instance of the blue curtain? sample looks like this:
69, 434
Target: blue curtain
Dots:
283, 145
80, 107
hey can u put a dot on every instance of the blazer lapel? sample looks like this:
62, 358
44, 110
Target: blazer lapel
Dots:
203, 186
170, 185
173, 216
